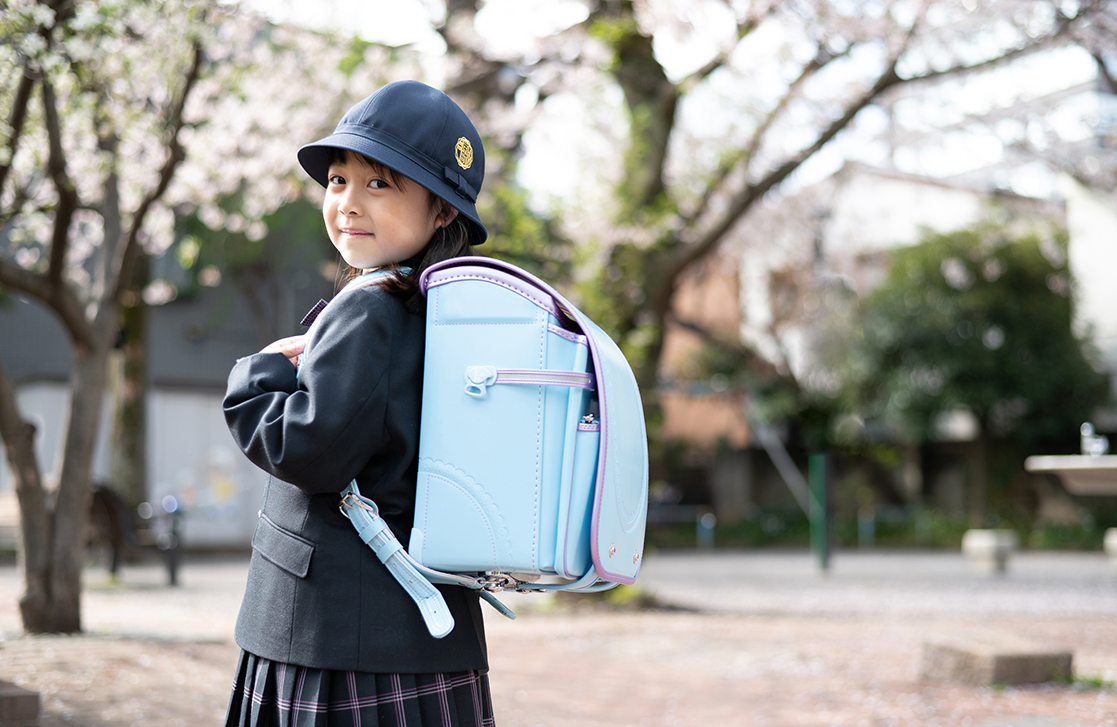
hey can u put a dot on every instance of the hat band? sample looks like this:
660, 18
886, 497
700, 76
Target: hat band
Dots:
459, 184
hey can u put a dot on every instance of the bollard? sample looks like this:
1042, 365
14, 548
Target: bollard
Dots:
988, 550
704, 529
1110, 545
866, 526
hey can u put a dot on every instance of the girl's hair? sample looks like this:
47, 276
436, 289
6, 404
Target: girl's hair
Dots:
453, 240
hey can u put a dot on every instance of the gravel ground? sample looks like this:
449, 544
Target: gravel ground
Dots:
746, 638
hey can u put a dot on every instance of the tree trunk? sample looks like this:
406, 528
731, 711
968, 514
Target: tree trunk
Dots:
58, 610
128, 446
34, 554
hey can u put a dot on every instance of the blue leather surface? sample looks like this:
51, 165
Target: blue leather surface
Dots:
506, 480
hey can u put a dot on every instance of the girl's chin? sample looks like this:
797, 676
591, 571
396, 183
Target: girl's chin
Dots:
361, 261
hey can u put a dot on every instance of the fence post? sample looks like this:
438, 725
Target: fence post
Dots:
817, 470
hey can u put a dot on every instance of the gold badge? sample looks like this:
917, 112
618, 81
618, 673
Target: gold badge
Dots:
463, 152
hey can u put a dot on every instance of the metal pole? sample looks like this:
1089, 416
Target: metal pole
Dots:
817, 470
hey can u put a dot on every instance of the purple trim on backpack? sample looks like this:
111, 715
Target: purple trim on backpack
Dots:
432, 278
568, 335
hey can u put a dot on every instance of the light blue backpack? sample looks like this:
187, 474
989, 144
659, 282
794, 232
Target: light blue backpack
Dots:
533, 456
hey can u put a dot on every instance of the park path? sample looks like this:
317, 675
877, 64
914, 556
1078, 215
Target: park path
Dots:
748, 638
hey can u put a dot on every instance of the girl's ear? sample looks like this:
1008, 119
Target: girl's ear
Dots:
446, 216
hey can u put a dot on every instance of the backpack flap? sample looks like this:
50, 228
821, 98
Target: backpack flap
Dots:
620, 507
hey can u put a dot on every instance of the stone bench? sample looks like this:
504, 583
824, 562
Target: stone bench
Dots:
988, 657
988, 550
18, 706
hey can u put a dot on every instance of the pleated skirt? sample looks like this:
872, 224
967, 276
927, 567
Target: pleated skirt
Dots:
273, 694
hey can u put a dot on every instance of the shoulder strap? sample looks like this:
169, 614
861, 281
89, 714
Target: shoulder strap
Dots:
374, 531
417, 579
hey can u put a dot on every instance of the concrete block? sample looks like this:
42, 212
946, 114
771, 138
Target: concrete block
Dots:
988, 550
988, 658
1110, 545
18, 706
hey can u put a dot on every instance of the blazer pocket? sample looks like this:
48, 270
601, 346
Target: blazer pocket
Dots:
282, 547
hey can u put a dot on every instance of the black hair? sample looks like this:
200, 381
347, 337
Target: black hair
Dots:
453, 240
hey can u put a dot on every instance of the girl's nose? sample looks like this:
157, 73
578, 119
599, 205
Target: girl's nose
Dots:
348, 203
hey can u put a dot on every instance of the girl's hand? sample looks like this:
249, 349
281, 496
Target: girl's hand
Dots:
290, 347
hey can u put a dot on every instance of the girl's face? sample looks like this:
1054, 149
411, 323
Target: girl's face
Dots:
375, 218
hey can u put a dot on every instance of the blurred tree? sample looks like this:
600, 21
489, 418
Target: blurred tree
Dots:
833, 62
91, 144
780, 93
781, 81
977, 320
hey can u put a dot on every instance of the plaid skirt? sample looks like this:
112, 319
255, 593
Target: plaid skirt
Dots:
273, 694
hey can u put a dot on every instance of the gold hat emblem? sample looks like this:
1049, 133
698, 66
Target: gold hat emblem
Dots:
463, 152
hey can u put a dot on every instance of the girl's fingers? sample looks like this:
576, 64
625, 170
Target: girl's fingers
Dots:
290, 347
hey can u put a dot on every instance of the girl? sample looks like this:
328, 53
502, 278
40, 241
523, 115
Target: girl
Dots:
328, 636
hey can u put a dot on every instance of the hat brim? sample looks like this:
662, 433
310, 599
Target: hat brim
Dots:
314, 158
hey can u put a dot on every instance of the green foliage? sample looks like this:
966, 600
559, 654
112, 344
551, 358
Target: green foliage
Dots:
208, 254
789, 527
1087, 534
613, 32
616, 298
519, 236
977, 319
1091, 684
355, 57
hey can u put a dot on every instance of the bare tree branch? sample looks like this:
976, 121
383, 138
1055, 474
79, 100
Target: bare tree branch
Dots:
175, 155
744, 157
59, 298
16, 118
744, 28
1103, 72
744, 199
753, 360
64, 187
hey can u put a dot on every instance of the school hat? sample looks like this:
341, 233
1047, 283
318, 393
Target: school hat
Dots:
415, 130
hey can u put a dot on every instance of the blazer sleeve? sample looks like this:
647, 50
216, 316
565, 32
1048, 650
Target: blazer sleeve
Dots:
318, 427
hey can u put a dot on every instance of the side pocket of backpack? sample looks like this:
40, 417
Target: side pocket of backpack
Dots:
574, 539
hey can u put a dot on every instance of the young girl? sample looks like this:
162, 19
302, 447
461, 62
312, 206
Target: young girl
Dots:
328, 636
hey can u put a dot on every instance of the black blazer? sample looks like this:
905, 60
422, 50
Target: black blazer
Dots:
317, 596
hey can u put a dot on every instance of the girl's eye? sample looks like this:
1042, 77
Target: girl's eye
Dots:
378, 184
335, 179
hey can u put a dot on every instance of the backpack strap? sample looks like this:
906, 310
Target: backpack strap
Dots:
417, 579
374, 531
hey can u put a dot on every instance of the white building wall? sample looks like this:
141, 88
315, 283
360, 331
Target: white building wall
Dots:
877, 213
1092, 223
191, 457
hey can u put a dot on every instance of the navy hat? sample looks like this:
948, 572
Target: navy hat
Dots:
417, 131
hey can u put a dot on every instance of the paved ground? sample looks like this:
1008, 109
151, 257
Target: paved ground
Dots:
756, 638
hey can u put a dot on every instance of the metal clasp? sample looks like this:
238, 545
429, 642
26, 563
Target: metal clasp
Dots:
498, 582
352, 500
